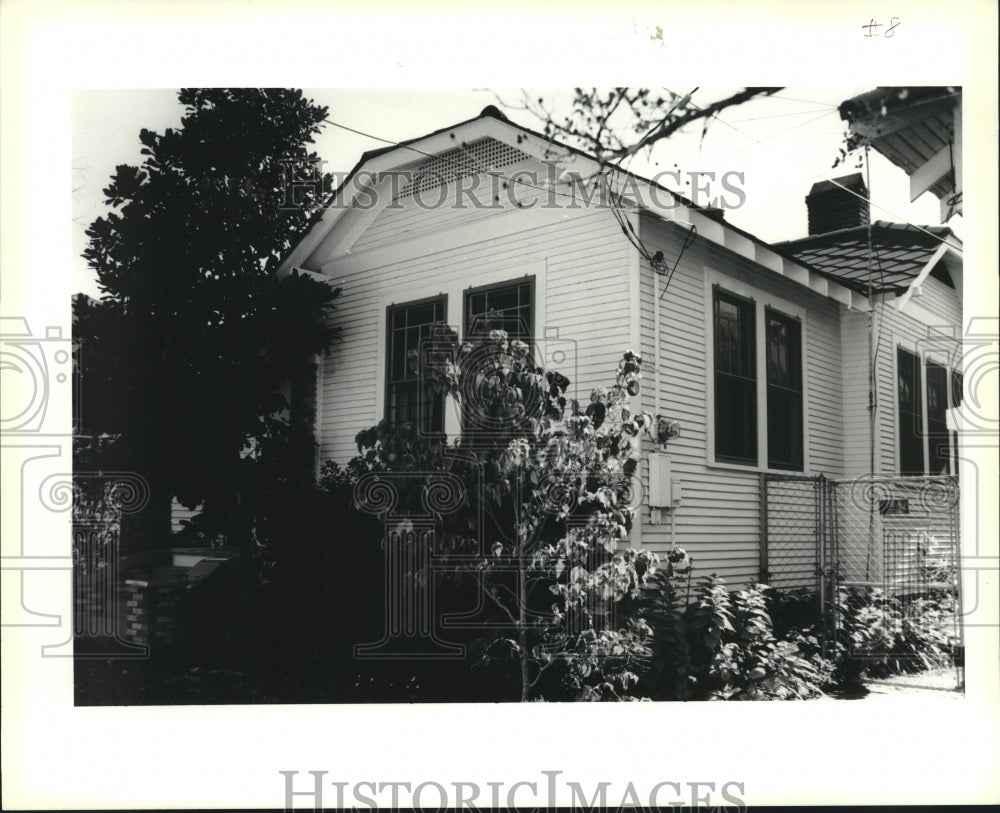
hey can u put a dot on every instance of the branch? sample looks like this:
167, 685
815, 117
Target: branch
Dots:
502, 606
542, 667
668, 126
656, 118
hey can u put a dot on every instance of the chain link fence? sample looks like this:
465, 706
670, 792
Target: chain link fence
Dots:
898, 534
882, 549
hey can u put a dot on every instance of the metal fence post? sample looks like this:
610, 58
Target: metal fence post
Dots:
821, 541
831, 611
764, 575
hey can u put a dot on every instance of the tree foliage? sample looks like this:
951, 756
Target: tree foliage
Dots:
546, 508
195, 335
613, 124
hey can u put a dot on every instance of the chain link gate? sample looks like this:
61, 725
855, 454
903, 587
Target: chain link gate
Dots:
899, 553
890, 541
798, 550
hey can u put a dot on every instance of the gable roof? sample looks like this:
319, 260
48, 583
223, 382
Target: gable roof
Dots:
901, 253
492, 123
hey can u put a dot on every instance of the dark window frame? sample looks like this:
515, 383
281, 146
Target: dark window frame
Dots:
910, 414
789, 427
435, 424
728, 383
938, 400
494, 287
471, 435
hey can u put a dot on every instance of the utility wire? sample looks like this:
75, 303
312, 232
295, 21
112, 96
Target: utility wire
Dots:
786, 115
803, 101
897, 217
716, 116
656, 262
872, 377
788, 129
471, 167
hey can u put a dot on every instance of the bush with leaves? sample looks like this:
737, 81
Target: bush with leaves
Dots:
722, 645
552, 485
880, 635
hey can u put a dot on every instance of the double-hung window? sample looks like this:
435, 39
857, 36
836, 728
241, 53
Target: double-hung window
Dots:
735, 379
784, 391
508, 306
925, 448
407, 398
758, 383
911, 413
938, 437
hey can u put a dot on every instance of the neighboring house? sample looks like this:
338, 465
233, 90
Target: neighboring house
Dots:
758, 351
919, 129
916, 282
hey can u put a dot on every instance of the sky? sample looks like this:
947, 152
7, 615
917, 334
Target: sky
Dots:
781, 144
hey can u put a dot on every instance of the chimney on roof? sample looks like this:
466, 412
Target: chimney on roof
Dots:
832, 207
717, 213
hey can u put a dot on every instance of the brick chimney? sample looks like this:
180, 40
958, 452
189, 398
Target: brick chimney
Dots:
832, 208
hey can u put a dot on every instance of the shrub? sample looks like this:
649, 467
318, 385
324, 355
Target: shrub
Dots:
879, 635
722, 646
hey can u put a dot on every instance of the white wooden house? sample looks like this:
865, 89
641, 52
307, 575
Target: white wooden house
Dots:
760, 352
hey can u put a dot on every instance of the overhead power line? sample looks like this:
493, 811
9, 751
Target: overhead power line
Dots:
896, 217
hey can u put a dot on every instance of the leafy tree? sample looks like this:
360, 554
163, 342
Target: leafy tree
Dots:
187, 353
552, 483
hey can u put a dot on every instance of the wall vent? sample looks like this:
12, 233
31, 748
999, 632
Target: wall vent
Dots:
485, 155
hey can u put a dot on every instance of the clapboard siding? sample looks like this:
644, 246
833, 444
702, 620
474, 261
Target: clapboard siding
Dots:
579, 257
718, 519
857, 429
584, 271
942, 301
471, 200
933, 334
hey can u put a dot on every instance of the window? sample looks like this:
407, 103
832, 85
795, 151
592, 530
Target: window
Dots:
405, 400
938, 437
956, 400
735, 379
508, 306
931, 449
911, 419
784, 391
759, 397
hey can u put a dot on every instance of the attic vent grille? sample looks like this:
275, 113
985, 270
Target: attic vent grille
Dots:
486, 155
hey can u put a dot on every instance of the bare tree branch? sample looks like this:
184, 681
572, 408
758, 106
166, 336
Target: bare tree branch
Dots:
616, 124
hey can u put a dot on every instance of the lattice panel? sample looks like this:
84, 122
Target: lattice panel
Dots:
486, 155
